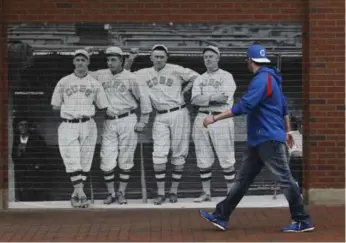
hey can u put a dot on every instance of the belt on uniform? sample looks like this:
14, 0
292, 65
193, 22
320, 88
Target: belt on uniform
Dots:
173, 109
108, 117
211, 112
84, 119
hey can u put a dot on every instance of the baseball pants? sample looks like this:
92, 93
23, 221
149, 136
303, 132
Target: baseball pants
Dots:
77, 145
171, 130
119, 142
220, 135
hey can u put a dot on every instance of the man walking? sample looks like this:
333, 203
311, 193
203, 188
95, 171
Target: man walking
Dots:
266, 110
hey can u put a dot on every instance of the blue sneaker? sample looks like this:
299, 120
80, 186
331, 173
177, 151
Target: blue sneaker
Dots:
210, 217
299, 227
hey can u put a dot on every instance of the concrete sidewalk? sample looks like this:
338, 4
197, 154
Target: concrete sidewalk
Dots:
247, 224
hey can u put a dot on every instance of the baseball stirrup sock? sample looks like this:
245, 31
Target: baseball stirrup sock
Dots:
124, 177
77, 182
229, 175
206, 178
84, 175
160, 179
176, 176
76, 178
108, 177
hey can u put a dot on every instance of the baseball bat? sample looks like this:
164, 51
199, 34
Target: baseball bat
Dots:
91, 188
143, 182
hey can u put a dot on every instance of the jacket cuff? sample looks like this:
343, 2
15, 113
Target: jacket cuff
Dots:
236, 110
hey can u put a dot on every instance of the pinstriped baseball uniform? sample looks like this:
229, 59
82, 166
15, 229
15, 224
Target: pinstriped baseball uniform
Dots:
77, 139
171, 127
119, 139
220, 134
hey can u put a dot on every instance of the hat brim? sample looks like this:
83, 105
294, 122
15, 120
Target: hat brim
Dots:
261, 60
211, 49
81, 54
114, 54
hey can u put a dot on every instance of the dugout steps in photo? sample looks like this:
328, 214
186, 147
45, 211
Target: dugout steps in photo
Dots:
40, 55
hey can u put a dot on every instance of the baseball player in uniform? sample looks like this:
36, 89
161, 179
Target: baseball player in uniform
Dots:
213, 92
119, 137
171, 128
76, 95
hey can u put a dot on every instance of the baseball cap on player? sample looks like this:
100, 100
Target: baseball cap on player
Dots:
114, 50
160, 47
257, 53
213, 49
81, 52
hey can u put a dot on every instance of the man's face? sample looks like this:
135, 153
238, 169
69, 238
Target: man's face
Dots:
211, 59
23, 127
81, 63
159, 58
114, 63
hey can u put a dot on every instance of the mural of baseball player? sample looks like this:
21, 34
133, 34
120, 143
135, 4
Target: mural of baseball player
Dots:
121, 125
213, 93
172, 126
76, 95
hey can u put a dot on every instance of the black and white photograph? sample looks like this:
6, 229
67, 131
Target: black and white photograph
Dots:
111, 115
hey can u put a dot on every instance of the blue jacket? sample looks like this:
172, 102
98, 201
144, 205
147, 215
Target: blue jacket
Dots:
265, 106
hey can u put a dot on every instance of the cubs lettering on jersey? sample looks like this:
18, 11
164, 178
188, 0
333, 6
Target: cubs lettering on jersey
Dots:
76, 96
165, 86
219, 81
122, 91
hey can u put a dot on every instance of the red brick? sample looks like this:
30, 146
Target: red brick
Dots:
261, 225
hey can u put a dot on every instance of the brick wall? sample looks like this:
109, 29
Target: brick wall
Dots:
323, 52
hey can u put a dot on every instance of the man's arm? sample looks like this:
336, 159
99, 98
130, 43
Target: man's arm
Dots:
252, 97
187, 75
132, 56
286, 116
57, 97
140, 91
101, 100
197, 96
287, 124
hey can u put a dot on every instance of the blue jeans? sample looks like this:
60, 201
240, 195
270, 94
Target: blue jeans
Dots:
271, 154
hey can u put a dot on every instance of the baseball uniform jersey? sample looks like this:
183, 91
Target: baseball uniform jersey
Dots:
220, 133
119, 139
77, 139
171, 127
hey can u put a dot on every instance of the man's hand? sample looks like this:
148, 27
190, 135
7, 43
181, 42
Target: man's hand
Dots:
208, 120
219, 98
139, 127
134, 52
289, 140
89, 49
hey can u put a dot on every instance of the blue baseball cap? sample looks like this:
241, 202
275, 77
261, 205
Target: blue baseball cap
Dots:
257, 53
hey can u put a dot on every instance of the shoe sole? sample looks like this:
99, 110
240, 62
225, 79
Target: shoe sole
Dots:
300, 231
216, 225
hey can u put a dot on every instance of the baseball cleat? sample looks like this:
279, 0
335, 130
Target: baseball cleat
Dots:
75, 202
203, 198
110, 199
84, 202
121, 198
159, 200
172, 197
